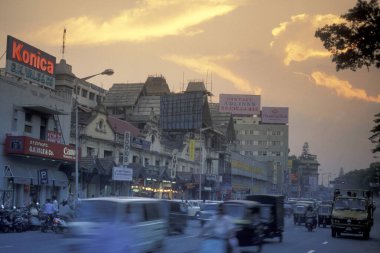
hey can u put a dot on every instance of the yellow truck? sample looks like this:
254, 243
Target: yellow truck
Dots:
352, 212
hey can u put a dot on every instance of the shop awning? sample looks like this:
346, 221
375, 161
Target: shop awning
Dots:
44, 109
58, 178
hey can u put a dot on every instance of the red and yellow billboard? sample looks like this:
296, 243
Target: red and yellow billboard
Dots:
30, 63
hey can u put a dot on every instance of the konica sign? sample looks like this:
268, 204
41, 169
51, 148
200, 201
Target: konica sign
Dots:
30, 63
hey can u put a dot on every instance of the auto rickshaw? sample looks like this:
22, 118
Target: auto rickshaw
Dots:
324, 215
246, 216
299, 213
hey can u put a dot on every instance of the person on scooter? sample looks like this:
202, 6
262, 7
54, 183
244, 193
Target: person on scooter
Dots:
311, 214
49, 211
220, 232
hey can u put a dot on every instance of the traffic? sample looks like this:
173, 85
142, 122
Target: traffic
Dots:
256, 224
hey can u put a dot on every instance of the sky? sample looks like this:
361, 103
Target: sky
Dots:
259, 47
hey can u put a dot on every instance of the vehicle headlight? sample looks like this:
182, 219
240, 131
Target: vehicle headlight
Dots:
336, 221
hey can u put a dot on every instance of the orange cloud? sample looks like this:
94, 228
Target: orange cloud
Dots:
342, 87
298, 52
151, 19
202, 63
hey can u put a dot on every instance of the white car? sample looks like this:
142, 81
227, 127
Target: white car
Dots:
193, 208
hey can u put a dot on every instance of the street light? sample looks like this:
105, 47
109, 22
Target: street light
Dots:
201, 172
107, 72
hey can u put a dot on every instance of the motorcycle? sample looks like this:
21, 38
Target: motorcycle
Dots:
309, 224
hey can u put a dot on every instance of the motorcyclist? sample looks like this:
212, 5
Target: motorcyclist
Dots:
310, 214
220, 233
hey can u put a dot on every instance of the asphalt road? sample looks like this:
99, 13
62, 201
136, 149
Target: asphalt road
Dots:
296, 240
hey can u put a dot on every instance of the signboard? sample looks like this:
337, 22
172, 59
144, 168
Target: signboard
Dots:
174, 163
122, 173
127, 147
24, 145
55, 137
30, 63
275, 115
43, 176
140, 143
192, 150
240, 104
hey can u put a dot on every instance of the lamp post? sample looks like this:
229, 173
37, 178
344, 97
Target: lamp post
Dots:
202, 158
107, 72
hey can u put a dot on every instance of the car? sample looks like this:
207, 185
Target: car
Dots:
193, 208
117, 224
208, 210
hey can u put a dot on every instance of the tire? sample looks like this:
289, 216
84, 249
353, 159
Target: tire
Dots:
366, 234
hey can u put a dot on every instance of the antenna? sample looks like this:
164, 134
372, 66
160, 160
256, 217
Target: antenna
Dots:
63, 43
211, 86
183, 81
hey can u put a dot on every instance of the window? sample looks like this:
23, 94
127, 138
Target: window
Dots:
28, 129
28, 117
92, 96
146, 161
107, 153
152, 211
84, 93
158, 162
90, 151
135, 159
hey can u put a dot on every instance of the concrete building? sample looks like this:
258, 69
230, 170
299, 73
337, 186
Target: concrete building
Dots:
265, 143
34, 136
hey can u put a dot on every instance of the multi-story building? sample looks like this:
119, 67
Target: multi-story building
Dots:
265, 142
34, 136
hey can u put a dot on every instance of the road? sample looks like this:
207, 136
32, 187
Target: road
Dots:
296, 240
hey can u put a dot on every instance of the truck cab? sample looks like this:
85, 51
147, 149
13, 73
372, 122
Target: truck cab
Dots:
352, 213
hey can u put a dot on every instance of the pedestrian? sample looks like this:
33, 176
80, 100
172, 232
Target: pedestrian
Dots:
55, 204
48, 210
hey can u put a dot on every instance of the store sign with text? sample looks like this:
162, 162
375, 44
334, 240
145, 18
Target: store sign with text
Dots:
30, 63
25, 145
240, 104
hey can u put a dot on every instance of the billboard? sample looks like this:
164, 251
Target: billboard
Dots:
122, 173
275, 115
240, 104
24, 145
30, 63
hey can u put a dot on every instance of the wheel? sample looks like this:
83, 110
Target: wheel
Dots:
333, 232
366, 234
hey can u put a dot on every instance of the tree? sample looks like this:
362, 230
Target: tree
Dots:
375, 138
356, 42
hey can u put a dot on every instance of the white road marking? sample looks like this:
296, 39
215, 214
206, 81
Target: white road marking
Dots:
325, 242
6, 246
311, 251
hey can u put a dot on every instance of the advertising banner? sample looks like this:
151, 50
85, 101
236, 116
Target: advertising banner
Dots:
127, 147
54, 136
30, 63
240, 104
275, 115
192, 150
24, 145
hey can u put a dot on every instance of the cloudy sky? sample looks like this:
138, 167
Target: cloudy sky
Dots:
264, 47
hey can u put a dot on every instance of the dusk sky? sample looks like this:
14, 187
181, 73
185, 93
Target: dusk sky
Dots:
262, 47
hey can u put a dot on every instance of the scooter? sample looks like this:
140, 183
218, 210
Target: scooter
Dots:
309, 224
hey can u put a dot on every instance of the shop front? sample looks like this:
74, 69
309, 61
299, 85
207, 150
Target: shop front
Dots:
31, 171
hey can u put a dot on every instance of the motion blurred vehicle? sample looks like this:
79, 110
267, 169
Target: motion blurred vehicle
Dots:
246, 216
324, 215
193, 208
352, 212
299, 212
177, 216
272, 214
208, 210
117, 224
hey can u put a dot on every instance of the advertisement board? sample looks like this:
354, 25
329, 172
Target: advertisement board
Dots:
30, 63
240, 104
24, 145
275, 115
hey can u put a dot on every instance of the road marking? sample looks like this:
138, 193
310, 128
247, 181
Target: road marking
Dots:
6, 246
311, 251
325, 242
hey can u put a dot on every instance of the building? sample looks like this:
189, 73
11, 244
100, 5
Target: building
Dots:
34, 133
